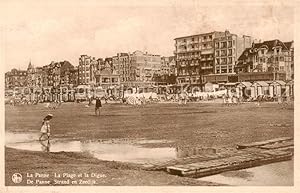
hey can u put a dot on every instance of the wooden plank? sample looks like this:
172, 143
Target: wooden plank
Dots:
261, 143
246, 155
278, 145
232, 163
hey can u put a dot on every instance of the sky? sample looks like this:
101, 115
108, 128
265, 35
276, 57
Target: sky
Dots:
45, 31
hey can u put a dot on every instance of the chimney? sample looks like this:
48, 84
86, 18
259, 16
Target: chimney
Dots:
227, 32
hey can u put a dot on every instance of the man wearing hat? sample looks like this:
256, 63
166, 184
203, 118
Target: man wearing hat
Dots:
45, 129
97, 106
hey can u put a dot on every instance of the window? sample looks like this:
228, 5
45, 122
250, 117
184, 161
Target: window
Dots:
281, 58
262, 52
230, 52
230, 44
223, 52
223, 45
230, 60
217, 53
223, 61
217, 45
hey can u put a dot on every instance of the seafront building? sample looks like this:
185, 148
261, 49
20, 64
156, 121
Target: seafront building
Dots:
207, 53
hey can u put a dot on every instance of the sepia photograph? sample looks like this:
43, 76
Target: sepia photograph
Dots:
148, 93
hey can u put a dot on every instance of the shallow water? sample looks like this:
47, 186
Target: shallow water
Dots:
110, 150
127, 150
276, 174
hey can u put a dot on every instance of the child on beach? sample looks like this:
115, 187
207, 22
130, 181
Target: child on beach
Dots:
45, 129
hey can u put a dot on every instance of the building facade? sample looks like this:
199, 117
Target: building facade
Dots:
121, 64
84, 69
74, 79
228, 49
194, 57
268, 56
107, 77
168, 66
209, 53
143, 66
30, 79
15, 78
137, 67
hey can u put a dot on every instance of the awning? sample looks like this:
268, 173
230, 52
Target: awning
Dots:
278, 82
262, 83
245, 84
290, 82
230, 84
282, 83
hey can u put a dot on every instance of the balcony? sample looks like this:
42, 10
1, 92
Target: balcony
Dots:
206, 67
181, 51
207, 51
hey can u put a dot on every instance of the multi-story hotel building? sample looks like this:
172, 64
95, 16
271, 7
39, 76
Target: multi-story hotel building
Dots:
200, 56
84, 69
136, 68
121, 64
228, 49
143, 66
195, 57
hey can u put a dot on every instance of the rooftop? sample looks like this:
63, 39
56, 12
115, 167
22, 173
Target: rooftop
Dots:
202, 34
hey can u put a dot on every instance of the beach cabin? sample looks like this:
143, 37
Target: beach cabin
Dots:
290, 88
261, 88
279, 87
245, 89
208, 87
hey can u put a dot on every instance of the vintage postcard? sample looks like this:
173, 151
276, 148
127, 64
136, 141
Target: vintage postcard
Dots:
191, 94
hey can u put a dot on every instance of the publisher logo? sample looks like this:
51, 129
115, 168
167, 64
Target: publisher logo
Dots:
16, 178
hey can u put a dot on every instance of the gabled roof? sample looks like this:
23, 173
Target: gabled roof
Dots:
245, 84
282, 83
244, 54
279, 82
270, 44
262, 83
290, 82
288, 44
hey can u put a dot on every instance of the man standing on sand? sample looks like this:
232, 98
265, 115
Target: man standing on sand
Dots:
97, 106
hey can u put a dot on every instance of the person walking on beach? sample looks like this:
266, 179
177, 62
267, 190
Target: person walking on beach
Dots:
97, 106
45, 129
